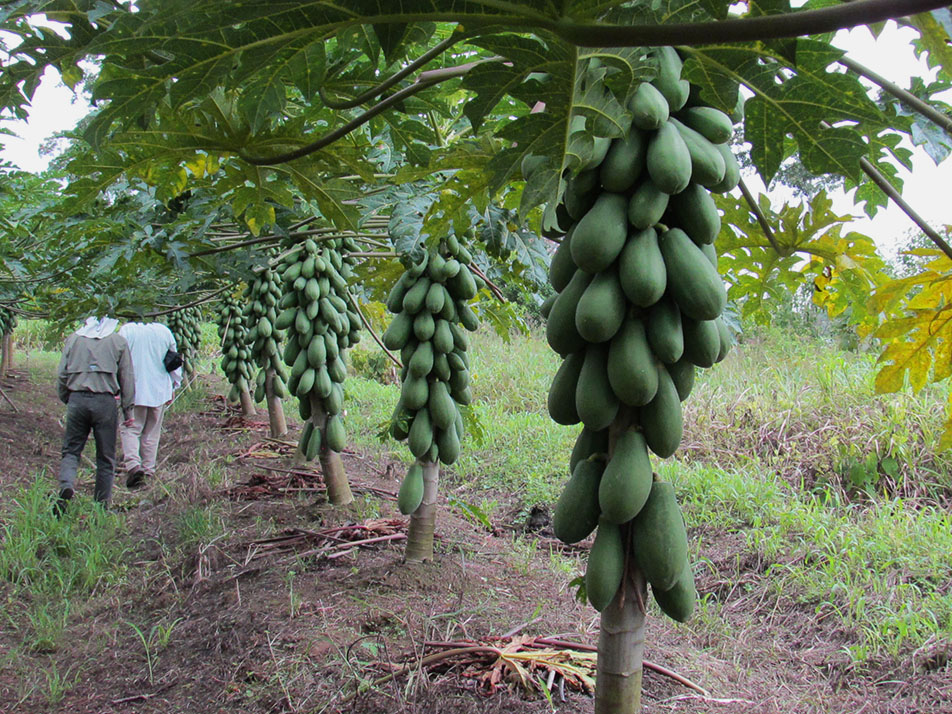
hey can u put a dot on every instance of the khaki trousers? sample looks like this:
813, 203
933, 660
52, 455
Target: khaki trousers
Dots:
140, 442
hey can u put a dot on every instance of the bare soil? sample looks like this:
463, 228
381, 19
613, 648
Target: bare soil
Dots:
267, 615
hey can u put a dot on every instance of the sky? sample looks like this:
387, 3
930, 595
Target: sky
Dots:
55, 108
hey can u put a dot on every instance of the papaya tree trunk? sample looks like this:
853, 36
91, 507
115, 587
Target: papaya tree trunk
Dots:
6, 360
247, 403
279, 425
423, 519
621, 645
335, 478
621, 636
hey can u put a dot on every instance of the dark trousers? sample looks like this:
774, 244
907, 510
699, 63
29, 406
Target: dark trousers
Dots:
87, 411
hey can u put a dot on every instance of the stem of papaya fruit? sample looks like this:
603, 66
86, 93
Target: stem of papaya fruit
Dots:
423, 519
247, 403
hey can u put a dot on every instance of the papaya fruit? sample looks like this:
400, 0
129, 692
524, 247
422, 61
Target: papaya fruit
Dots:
462, 286
710, 253
668, 80
442, 337
624, 162
580, 193
626, 480
414, 393
448, 445
435, 296
663, 328
707, 164
682, 373
641, 270
726, 341
694, 211
560, 330
606, 565
600, 234
561, 398
423, 326
305, 436
602, 307
677, 602
587, 444
661, 420
398, 292
334, 401
658, 537
441, 405
562, 267
313, 445
398, 332
731, 170
421, 434
422, 361
713, 124
647, 205
649, 109
693, 283
441, 367
335, 434
576, 511
632, 367
411, 490
668, 159
415, 297
546, 307
595, 401
702, 341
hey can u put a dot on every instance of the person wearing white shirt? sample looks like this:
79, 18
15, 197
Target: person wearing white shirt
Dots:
148, 344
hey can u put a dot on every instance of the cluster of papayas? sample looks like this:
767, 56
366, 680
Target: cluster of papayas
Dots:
322, 323
637, 309
263, 336
236, 355
430, 302
184, 325
8, 321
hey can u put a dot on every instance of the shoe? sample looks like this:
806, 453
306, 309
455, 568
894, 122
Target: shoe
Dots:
135, 479
59, 508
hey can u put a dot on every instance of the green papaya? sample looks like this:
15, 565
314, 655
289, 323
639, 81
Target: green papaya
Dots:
713, 124
424, 326
677, 602
663, 328
580, 193
731, 170
411, 490
415, 298
668, 159
647, 205
335, 433
649, 108
398, 292
710, 253
462, 286
588, 443
606, 565
306, 382
421, 434
441, 405
632, 366
398, 333
435, 296
562, 267
442, 337
682, 373
707, 164
286, 318
668, 80
422, 361
693, 282
441, 367
602, 308
726, 341
624, 162
702, 341
322, 382
337, 369
334, 401
313, 445
641, 270
414, 393
695, 212
560, 330
467, 317
626, 481
305, 436
561, 399
448, 445
600, 234
595, 401
576, 511
546, 307
661, 420
316, 352
658, 537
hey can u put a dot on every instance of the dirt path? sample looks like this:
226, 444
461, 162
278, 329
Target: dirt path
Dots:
249, 599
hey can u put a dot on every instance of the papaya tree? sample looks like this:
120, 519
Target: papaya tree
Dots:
264, 338
236, 355
316, 105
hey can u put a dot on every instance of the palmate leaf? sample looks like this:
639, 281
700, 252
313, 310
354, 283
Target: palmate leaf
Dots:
843, 268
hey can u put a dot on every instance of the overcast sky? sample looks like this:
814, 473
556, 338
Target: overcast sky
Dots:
927, 188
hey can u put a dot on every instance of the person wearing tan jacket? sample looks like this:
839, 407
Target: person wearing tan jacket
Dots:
95, 371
